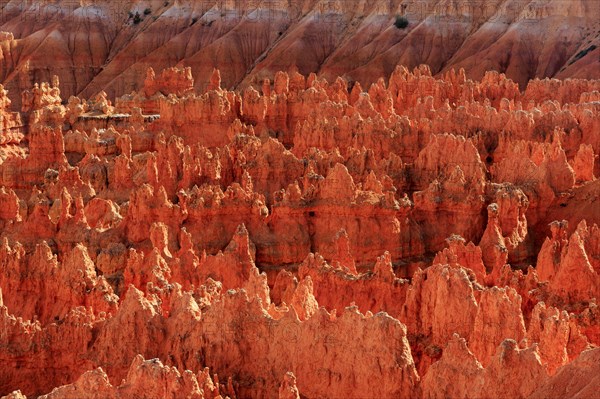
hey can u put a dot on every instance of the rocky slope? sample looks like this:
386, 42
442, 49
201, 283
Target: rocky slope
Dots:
426, 237
104, 45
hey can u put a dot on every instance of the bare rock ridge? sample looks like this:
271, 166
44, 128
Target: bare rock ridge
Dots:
107, 46
430, 236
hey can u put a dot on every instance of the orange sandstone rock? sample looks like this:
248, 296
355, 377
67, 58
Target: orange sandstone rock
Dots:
250, 242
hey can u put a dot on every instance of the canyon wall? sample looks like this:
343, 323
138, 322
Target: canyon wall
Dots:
108, 46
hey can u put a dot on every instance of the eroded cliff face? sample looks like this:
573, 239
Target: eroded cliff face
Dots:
98, 45
428, 237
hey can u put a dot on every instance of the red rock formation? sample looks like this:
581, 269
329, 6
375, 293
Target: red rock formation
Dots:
455, 193
11, 127
583, 163
58, 287
364, 46
145, 379
498, 318
578, 379
521, 367
288, 389
551, 252
262, 235
557, 335
566, 263
171, 81
426, 315
460, 255
335, 288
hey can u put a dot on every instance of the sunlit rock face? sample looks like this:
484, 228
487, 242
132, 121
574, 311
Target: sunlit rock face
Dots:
220, 207
98, 45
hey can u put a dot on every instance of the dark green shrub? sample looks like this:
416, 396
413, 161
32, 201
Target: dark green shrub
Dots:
137, 19
400, 22
583, 53
147, 11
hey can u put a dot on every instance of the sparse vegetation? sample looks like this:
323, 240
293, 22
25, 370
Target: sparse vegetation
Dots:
147, 11
401, 22
137, 18
583, 53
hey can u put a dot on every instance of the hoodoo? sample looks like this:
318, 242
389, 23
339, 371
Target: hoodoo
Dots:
317, 199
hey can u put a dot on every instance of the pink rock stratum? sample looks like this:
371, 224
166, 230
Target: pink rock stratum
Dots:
300, 199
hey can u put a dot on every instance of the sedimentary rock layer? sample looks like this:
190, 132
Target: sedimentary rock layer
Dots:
107, 45
426, 237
